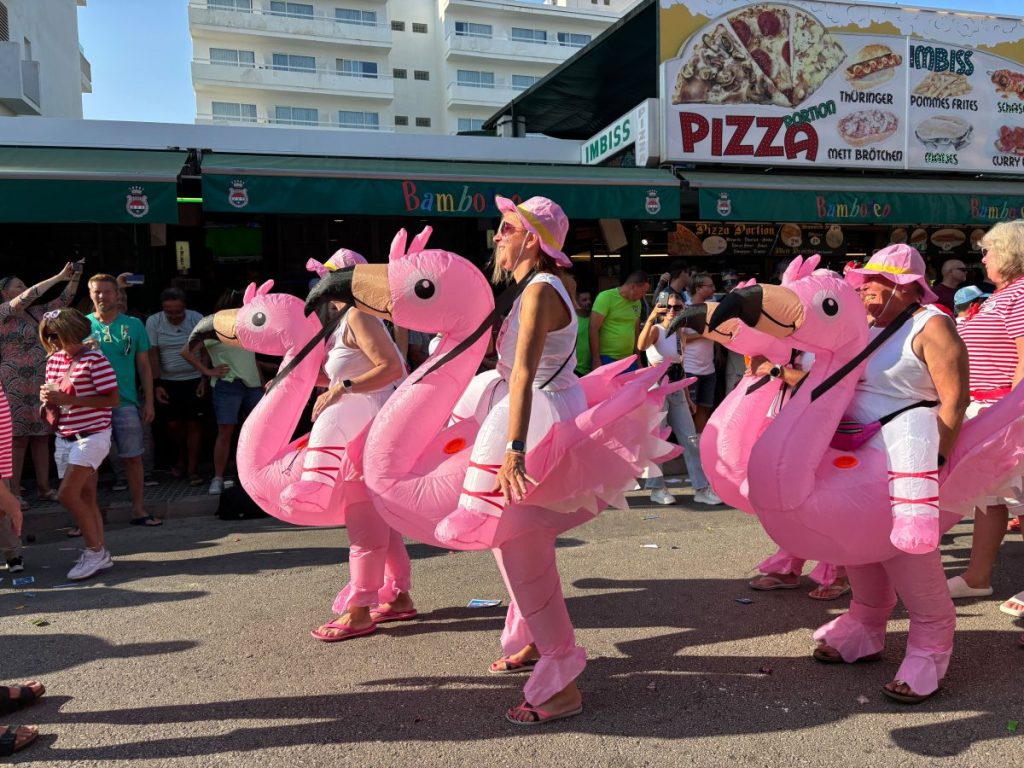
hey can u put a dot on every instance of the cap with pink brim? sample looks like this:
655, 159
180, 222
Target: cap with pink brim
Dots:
543, 218
898, 263
342, 258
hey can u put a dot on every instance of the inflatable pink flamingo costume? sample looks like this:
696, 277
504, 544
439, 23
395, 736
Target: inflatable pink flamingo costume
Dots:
269, 462
415, 463
820, 503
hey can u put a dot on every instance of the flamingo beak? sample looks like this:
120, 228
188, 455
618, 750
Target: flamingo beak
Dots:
216, 327
772, 309
364, 286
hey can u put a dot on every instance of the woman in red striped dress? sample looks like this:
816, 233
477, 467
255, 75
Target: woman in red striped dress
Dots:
81, 385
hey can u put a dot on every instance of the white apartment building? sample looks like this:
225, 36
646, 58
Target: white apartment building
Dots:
417, 66
43, 69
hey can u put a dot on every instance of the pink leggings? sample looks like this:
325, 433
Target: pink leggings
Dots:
379, 567
920, 582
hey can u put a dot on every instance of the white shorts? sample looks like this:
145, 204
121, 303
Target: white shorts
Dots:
88, 451
973, 409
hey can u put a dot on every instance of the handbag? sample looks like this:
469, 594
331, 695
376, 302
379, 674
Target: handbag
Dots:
851, 435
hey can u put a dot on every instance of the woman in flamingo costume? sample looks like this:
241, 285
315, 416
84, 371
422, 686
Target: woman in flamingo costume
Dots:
507, 476
270, 464
819, 502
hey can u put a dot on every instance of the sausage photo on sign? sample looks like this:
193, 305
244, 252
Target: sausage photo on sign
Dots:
872, 66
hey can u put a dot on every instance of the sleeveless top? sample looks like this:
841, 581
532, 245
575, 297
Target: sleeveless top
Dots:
345, 362
894, 377
559, 346
663, 348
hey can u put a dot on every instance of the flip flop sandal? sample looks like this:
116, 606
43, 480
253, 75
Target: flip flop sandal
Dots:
831, 592
906, 698
26, 695
773, 583
347, 632
960, 589
195, 481
9, 741
510, 666
148, 521
378, 616
539, 715
1014, 606
74, 533
825, 657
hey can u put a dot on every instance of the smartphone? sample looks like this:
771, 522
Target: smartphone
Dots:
135, 279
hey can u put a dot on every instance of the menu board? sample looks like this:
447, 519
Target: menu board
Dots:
754, 239
833, 84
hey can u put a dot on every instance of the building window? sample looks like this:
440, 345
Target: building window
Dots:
469, 29
354, 16
422, 122
401, 120
368, 121
232, 57
475, 79
420, 28
230, 5
399, 74
573, 39
292, 63
296, 116
290, 9
421, 74
236, 113
398, 26
522, 82
5, 29
353, 68
523, 35
467, 124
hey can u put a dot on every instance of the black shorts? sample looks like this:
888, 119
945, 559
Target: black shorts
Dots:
184, 403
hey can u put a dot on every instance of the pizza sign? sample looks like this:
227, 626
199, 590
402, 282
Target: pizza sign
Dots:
834, 84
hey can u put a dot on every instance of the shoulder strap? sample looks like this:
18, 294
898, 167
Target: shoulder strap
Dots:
874, 344
555, 374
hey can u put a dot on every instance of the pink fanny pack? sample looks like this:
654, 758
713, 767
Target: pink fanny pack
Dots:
851, 435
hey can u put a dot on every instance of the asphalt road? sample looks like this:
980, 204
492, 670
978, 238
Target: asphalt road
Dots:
194, 651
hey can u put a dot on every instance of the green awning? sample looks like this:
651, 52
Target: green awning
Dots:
855, 200
330, 185
89, 185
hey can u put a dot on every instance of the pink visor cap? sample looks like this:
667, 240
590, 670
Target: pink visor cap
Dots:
899, 263
543, 218
342, 258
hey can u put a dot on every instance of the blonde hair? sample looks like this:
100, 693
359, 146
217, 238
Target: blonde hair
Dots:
1008, 238
102, 277
70, 326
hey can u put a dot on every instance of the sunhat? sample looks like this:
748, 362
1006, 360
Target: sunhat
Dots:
898, 263
968, 294
343, 257
545, 219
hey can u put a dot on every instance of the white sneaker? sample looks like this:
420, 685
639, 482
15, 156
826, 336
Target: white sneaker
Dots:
661, 496
706, 496
216, 486
90, 563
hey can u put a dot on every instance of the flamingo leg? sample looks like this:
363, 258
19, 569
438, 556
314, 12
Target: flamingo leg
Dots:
378, 562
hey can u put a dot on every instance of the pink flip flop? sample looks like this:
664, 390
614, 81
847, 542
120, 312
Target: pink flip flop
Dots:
347, 632
379, 616
538, 715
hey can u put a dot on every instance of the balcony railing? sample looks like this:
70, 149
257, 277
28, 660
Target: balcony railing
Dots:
279, 24
295, 79
495, 94
329, 123
19, 81
506, 46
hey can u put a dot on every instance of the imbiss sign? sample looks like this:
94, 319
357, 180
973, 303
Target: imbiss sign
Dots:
637, 127
834, 84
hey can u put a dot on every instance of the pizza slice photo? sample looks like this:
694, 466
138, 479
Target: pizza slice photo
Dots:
718, 70
816, 55
763, 29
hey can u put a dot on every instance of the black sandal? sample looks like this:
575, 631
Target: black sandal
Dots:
26, 696
9, 741
149, 521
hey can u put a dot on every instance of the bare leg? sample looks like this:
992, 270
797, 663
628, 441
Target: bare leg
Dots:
193, 441
40, 447
989, 530
222, 449
133, 473
78, 494
18, 446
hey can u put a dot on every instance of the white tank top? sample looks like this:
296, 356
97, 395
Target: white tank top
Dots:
663, 348
894, 377
559, 346
345, 362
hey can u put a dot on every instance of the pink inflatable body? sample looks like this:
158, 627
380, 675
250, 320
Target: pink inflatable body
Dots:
269, 462
417, 454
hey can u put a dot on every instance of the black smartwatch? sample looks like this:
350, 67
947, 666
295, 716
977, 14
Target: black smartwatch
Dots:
775, 372
346, 384
516, 446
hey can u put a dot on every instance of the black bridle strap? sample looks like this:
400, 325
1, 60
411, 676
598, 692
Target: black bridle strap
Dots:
874, 344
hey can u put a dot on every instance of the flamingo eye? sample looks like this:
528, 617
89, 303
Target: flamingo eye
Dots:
830, 307
424, 288
259, 319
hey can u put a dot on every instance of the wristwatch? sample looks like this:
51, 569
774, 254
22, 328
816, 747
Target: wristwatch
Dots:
346, 384
516, 446
775, 372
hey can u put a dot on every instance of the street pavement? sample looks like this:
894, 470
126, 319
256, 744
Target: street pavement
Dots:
194, 651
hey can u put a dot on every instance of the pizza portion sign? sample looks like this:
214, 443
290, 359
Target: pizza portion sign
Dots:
831, 84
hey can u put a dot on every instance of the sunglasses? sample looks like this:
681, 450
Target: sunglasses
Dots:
507, 228
675, 307
985, 252
51, 315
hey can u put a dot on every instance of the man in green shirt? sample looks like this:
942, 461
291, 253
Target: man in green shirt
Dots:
584, 302
615, 320
123, 341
